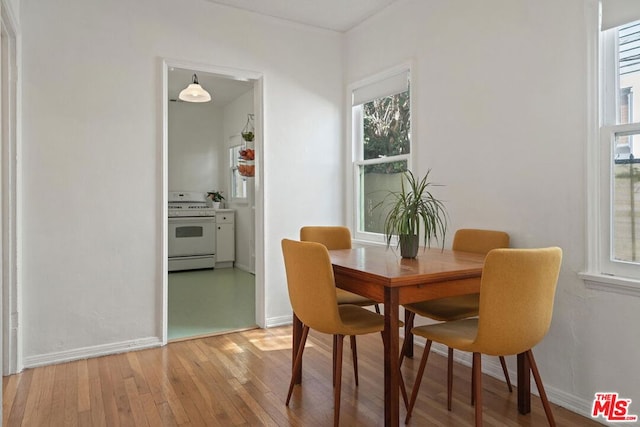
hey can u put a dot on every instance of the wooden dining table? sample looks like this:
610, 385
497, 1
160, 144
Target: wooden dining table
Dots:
380, 274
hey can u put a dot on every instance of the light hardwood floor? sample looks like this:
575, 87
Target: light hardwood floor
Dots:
242, 379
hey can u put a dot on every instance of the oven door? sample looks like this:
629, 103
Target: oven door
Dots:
192, 236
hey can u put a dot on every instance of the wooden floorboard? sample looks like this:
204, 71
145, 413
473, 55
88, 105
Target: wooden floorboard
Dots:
241, 379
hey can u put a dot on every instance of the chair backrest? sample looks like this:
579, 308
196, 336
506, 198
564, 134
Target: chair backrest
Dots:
310, 282
333, 237
516, 299
479, 241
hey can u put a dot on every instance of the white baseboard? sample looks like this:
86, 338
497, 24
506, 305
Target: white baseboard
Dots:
272, 322
88, 352
243, 267
226, 264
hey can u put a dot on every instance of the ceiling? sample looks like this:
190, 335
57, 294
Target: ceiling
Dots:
222, 89
337, 15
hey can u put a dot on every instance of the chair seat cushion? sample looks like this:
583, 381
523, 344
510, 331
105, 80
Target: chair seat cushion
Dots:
447, 309
358, 320
346, 297
459, 334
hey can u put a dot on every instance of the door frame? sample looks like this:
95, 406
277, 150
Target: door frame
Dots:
11, 359
258, 106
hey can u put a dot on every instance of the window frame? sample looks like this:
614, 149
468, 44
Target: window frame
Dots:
355, 156
602, 273
233, 174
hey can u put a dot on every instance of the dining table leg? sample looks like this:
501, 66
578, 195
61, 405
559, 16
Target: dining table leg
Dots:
524, 384
296, 338
391, 367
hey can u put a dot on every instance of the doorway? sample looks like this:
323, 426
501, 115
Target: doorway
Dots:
198, 145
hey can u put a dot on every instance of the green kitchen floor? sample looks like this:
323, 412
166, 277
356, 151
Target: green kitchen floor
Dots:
209, 302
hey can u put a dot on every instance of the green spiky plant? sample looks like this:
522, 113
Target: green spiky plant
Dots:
414, 209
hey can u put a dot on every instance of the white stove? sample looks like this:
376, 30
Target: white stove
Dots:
189, 203
192, 231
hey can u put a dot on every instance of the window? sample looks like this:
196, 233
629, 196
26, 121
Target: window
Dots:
620, 143
238, 182
614, 156
381, 142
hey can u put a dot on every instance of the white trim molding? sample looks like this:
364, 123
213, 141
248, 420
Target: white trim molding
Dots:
272, 322
609, 283
258, 100
93, 351
11, 192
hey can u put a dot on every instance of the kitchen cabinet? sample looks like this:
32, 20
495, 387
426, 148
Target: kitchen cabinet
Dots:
225, 238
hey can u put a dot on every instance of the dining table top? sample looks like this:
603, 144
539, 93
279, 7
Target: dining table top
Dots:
384, 266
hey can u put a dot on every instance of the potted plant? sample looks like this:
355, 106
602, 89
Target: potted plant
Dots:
411, 210
216, 197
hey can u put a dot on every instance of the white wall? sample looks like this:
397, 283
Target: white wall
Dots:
92, 121
14, 6
500, 117
196, 147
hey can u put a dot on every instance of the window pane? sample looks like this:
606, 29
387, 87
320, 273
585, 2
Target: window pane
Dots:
375, 183
626, 200
386, 127
629, 75
238, 182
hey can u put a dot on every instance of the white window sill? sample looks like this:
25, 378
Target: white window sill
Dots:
615, 284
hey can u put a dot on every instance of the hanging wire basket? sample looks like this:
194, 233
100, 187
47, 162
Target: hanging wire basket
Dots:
246, 163
247, 169
248, 132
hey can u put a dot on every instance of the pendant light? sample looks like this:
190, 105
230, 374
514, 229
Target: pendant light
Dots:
194, 92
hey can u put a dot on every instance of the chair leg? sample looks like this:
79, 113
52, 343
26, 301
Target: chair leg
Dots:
404, 352
449, 377
338, 376
477, 386
298, 361
473, 381
416, 386
403, 388
407, 344
333, 358
543, 394
506, 373
354, 354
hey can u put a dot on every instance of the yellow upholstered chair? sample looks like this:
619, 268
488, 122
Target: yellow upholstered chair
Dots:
459, 307
516, 304
311, 286
337, 237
